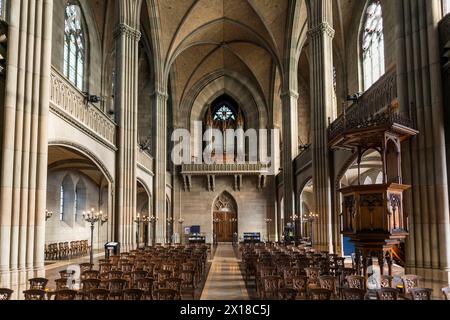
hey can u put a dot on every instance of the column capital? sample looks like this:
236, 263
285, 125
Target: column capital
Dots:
289, 94
160, 94
125, 29
321, 28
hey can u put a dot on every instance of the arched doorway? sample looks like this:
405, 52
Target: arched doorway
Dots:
225, 218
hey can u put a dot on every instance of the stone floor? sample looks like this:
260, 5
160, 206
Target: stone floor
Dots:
225, 281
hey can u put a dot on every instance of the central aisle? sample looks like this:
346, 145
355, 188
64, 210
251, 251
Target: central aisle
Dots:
225, 280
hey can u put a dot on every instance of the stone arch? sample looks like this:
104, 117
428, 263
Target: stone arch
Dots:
87, 153
225, 202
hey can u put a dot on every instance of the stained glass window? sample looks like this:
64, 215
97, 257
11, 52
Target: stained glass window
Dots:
74, 45
373, 44
224, 113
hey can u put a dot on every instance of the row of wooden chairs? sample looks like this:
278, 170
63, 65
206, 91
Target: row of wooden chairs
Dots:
305, 273
66, 250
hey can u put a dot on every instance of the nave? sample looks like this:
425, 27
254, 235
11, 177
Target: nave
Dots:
221, 272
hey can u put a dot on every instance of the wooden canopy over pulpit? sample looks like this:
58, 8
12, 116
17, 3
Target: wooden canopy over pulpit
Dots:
373, 215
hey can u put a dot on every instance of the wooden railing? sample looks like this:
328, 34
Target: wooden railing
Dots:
379, 98
69, 103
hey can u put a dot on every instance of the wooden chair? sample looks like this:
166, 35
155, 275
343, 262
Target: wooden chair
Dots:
136, 275
388, 294
287, 294
132, 294
165, 294
62, 284
34, 294
105, 267
421, 293
356, 282
328, 282
301, 285
89, 284
353, 294
85, 267
146, 285
98, 294
320, 294
270, 288
174, 284
65, 295
6, 294
313, 275
409, 281
446, 293
38, 283
91, 274
188, 282
116, 274
116, 287
66, 274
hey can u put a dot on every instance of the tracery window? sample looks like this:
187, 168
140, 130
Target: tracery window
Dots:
224, 113
372, 42
75, 51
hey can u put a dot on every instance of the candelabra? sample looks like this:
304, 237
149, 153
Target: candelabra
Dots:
153, 220
93, 217
311, 218
48, 214
139, 219
268, 222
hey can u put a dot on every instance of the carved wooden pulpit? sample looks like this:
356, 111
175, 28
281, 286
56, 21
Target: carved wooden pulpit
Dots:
373, 216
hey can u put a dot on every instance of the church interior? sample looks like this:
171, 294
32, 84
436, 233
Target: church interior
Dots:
224, 150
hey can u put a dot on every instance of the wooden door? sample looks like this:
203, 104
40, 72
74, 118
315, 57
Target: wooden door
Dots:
226, 226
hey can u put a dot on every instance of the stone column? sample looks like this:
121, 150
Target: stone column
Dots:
424, 164
160, 103
321, 35
24, 145
290, 149
127, 38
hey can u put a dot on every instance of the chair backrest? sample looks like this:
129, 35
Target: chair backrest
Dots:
145, 284
410, 282
421, 293
271, 286
446, 292
38, 283
62, 284
34, 294
356, 282
328, 282
91, 274
86, 267
313, 274
387, 294
300, 284
6, 294
65, 295
89, 284
132, 294
320, 294
98, 294
353, 294
165, 294
116, 274
117, 285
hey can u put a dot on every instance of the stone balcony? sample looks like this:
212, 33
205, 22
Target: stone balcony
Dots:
70, 104
145, 161
238, 170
